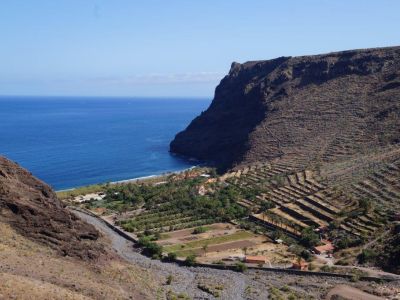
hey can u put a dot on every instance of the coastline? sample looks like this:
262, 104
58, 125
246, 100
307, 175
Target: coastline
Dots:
130, 180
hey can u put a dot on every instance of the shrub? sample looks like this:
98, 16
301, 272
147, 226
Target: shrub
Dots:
172, 256
154, 248
199, 230
355, 278
190, 260
275, 294
169, 279
240, 267
365, 205
292, 297
157, 235
144, 241
366, 255
150, 248
306, 255
215, 291
285, 289
326, 268
342, 262
265, 205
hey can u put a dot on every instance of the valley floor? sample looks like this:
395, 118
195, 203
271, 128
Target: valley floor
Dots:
253, 284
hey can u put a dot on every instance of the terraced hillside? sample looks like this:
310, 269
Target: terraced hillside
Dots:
318, 138
383, 186
308, 109
301, 199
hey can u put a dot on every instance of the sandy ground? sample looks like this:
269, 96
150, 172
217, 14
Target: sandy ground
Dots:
186, 235
276, 254
349, 292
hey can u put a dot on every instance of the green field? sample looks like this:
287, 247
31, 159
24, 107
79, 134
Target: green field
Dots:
184, 249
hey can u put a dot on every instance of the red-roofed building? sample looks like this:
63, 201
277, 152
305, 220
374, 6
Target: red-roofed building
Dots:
255, 259
327, 247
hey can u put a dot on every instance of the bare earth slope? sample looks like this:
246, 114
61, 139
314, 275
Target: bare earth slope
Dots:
32, 208
322, 108
46, 252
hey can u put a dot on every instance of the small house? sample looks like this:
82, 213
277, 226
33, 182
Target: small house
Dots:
327, 247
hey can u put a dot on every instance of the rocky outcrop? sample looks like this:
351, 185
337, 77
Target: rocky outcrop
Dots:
309, 108
32, 208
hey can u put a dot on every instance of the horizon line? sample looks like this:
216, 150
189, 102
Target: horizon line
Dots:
109, 96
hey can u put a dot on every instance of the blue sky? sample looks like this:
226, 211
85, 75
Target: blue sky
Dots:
171, 48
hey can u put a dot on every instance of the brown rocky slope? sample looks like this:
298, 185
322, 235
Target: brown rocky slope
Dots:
32, 209
320, 108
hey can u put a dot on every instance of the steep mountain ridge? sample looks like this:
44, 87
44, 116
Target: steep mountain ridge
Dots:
307, 109
32, 209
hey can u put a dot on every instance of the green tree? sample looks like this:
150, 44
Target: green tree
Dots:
309, 238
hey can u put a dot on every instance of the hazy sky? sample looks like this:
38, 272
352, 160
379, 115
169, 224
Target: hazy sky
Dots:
174, 47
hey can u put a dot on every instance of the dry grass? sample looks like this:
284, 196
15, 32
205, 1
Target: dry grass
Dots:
20, 287
26, 266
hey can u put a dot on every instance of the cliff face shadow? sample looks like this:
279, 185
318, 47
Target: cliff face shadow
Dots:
220, 135
308, 108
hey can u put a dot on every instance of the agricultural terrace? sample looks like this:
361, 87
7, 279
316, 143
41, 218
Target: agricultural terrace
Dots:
293, 200
266, 202
171, 205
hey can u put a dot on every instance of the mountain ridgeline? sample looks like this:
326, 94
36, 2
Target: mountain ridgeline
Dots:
307, 109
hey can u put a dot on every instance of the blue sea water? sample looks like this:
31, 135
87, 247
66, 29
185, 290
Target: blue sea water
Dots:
75, 141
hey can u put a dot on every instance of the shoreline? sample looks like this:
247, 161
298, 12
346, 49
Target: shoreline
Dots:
129, 180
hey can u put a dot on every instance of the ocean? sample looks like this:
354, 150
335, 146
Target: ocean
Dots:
75, 141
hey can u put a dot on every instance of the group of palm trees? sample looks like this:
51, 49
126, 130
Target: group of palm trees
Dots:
279, 222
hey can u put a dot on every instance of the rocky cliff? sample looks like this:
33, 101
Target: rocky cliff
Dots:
32, 209
305, 109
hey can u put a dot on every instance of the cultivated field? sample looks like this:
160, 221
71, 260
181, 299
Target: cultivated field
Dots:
243, 212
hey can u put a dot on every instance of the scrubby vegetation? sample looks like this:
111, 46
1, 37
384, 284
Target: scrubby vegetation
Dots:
214, 290
150, 248
199, 230
240, 267
190, 260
